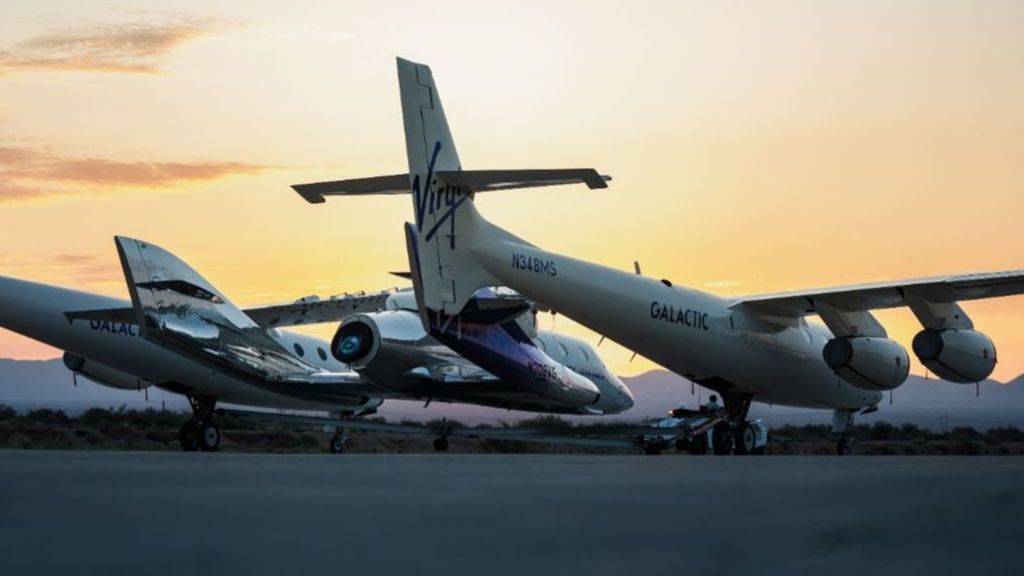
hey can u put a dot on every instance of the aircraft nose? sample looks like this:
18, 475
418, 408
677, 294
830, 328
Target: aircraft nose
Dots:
624, 400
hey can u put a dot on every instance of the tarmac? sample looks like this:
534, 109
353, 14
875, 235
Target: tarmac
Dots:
174, 513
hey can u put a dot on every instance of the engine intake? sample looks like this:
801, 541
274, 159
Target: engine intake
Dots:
869, 363
361, 337
961, 356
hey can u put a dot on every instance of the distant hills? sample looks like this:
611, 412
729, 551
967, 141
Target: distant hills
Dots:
934, 404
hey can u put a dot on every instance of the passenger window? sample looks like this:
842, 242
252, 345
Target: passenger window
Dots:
299, 350
323, 355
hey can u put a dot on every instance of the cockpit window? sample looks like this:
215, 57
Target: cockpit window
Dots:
299, 350
583, 351
563, 350
323, 355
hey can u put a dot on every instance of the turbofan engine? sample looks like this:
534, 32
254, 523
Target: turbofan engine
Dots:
961, 356
869, 363
358, 340
103, 374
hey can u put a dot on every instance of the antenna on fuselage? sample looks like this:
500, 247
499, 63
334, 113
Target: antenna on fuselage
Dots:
636, 267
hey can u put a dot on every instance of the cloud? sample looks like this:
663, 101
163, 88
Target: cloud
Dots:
130, 47
30, 172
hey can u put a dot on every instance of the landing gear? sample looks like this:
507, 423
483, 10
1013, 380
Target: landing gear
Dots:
734, 436
200, 433
441, 443
337, 443
746, 439
842, 424
652, 449
721, 439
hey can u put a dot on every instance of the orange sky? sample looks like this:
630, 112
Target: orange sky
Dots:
755, 146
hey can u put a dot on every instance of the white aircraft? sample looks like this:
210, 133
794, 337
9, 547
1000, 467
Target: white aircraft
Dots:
180, 334
758, 347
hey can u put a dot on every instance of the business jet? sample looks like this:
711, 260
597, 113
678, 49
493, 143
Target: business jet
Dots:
758, 347
181, 334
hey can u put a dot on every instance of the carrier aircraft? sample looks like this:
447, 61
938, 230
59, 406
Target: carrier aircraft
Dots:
181, 334
750, 348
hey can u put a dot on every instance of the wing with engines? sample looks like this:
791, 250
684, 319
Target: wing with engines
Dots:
944, 290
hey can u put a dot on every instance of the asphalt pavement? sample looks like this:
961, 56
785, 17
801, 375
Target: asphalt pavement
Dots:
170, 513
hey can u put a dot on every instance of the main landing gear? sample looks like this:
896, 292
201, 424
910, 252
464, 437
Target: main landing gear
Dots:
200, 433
842, 425
735, 435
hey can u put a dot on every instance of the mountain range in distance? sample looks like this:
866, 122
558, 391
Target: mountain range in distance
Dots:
929, 403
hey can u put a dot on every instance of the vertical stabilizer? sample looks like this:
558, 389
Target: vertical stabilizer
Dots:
446, 221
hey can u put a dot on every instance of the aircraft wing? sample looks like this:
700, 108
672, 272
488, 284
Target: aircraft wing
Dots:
475, 180
865, 297
177, 308
314, 310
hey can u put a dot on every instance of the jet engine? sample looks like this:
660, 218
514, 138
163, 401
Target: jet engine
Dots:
103, 374
358, 340
869, 363
961, 356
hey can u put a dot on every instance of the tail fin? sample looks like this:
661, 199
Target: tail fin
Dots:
446, 220
162, 286
448, 230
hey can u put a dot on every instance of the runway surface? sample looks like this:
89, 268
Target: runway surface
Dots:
182, 514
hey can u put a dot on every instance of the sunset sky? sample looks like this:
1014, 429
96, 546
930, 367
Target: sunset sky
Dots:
755, 146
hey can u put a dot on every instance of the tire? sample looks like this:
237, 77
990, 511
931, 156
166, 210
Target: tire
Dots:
652, 449
746, 439
440, 444
721, 439
209, 437
699, 445
188, 436
336, 445
843, 447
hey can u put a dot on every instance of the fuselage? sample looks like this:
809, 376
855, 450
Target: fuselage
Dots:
692, 333
37, 311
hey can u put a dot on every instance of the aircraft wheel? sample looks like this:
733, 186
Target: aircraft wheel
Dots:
652, 449
188, 436
721, 439
440, 444
843, 446
337, 444
683, 445
699, 445
746, 439
209, 437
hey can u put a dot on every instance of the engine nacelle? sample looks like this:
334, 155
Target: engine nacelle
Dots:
358, 340
103, 374
961, 356
868, 363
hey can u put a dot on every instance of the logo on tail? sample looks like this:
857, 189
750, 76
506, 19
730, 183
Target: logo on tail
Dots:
428, 201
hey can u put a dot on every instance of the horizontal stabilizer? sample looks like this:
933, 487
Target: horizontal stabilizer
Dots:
474, 180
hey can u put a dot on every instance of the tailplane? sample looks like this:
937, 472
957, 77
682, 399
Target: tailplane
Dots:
448, 231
